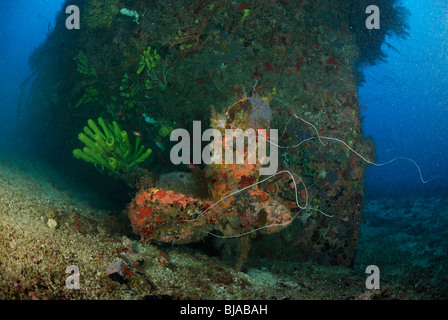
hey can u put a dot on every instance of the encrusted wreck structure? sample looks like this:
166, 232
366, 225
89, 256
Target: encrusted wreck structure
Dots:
157, 66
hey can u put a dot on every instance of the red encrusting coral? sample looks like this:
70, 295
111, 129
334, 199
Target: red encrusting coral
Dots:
237, 205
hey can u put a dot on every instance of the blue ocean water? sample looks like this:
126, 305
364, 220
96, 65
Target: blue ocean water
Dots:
406, 100
24, 25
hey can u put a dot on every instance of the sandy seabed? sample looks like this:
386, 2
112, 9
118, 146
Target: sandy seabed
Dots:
45, 227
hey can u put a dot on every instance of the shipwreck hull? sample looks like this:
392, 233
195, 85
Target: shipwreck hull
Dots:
301, 56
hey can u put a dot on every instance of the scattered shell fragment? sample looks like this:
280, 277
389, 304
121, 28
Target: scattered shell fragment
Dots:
51, 223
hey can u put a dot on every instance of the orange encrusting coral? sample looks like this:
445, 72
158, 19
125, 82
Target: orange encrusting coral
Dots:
237, 205
168, 216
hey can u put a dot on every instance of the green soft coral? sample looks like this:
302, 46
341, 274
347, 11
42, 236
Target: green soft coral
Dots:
83, 66
109, 147
150, 60
128, 91
90, 95
101, 13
